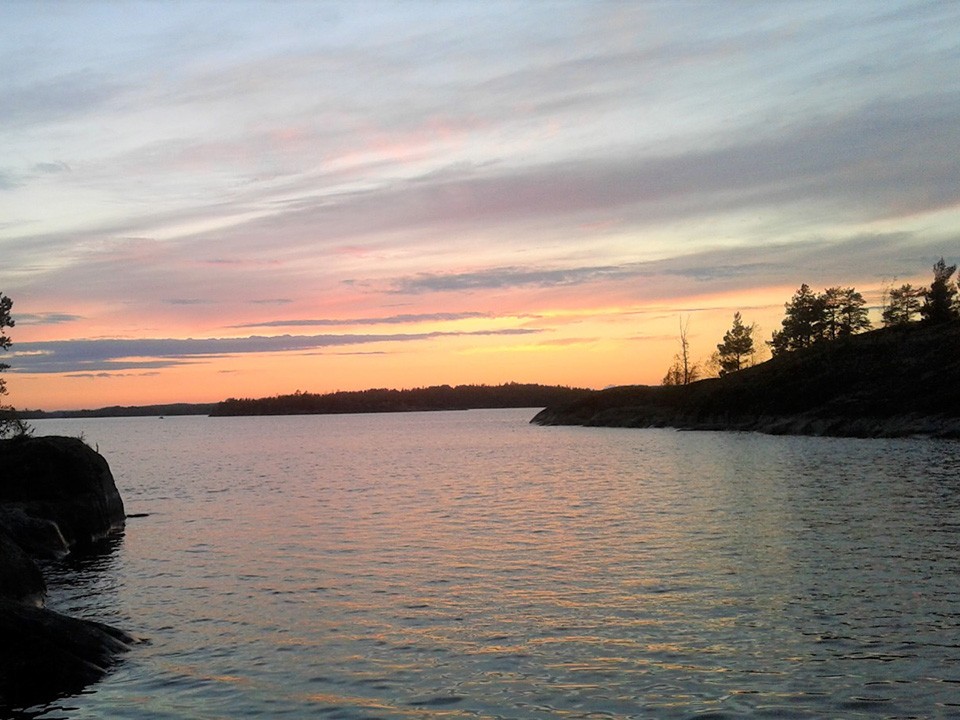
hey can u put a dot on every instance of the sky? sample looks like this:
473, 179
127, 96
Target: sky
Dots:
203, 200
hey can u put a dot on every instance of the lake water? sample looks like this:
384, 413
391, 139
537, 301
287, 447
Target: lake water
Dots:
470, 565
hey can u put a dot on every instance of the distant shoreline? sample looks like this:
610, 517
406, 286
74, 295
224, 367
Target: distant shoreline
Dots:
379, 400
172, 409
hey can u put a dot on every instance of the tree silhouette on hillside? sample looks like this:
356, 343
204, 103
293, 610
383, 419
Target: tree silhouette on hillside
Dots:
901, 305
810, 318
736, 350
939, 305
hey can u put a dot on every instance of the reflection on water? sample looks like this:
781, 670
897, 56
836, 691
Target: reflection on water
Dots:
89, 571
471, 565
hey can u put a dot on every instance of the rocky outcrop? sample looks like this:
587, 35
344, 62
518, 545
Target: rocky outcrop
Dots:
57, 495
59, 480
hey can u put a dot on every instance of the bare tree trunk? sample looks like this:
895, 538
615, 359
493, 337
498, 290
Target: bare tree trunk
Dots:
685, 350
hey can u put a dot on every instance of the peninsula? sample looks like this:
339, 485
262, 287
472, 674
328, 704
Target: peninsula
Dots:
893, 382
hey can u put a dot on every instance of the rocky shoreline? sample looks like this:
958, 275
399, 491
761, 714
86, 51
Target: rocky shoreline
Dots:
898, 426
57, 496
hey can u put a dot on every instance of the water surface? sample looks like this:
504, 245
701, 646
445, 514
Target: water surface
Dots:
469, 565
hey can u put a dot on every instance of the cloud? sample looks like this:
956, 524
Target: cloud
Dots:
51, 168
499, 278
886, 160
387, 320
98, 375
187, 301
868, 256
10, 180
70, 356
65, 97
50, 318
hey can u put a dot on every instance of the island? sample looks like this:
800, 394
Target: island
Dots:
893, 382
383, 400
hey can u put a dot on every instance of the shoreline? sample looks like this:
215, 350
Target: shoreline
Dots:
898, 426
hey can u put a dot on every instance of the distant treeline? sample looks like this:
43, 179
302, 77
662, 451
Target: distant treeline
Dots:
121, 411
439, 397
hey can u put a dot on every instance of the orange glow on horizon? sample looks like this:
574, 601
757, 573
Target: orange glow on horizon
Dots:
591, 346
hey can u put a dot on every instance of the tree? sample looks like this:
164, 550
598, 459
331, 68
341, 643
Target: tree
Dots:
676, 375
810, 318
683, 371
842, 313
9, 422
801, 324
736, 350
938, 305
902, 305
6, 304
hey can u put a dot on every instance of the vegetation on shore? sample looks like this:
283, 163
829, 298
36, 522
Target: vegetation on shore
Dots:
10, 421
380, 400
812, 318
122, 411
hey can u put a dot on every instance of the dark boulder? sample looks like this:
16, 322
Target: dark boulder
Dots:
57, 495
46, 655
62, 480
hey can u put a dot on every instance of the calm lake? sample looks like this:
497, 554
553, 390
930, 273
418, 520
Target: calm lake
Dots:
470, 565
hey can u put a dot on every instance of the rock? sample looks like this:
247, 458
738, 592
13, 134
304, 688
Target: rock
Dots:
46, 655
64, 481
56, 495
20, 578
39, 537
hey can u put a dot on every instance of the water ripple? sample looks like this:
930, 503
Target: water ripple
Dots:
468, 565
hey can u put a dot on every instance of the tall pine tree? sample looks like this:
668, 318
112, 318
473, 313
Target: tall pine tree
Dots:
736, 350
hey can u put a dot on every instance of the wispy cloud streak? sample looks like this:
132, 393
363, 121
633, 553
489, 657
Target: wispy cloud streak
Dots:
93, 355
403, 319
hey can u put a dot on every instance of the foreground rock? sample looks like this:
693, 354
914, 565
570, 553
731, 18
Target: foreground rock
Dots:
57, 495
61, 482
20, 578
46, 655
895, 382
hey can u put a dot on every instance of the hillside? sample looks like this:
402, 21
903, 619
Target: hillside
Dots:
887, 383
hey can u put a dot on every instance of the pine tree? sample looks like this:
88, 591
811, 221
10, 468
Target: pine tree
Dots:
939, 306
809, 318
737, 347
902, 305
843, 313
802, 322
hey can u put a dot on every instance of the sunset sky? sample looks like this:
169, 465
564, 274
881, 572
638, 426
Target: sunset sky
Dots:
238, 199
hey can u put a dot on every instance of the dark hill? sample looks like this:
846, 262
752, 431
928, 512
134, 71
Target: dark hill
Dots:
886, 383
